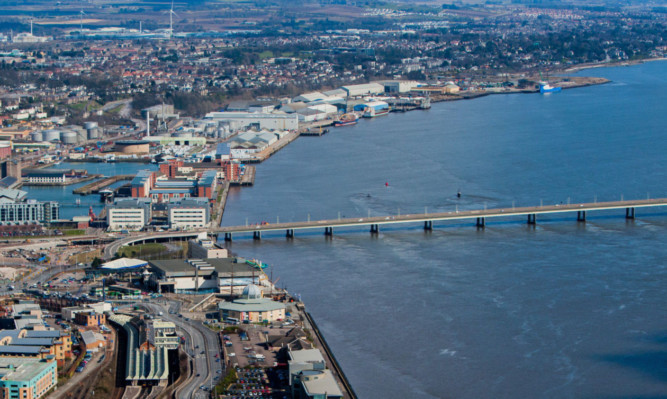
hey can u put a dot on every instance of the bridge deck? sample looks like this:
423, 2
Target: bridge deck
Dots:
444, 216
112, 248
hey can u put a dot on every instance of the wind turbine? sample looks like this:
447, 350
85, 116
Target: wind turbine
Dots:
171, 19
81, 14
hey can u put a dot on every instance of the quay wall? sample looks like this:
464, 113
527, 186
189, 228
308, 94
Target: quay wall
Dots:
332, 359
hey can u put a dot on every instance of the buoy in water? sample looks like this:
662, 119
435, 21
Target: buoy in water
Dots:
458, 195
386, 184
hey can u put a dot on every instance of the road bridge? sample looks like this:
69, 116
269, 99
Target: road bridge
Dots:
373, 223
479, 216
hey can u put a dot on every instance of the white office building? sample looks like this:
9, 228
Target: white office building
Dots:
128, 214
188, 214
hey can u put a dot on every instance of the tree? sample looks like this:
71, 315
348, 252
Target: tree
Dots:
96, 263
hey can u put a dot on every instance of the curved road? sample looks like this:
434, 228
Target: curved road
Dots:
111, 249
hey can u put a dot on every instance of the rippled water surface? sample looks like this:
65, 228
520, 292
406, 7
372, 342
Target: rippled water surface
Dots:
563, 309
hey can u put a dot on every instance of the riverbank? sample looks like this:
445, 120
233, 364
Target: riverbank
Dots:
611, 64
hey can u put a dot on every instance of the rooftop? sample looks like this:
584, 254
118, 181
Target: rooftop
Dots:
223, 266
306, 356
320, 382
25, 369
251, 305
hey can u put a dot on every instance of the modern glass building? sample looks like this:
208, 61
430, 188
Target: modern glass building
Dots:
31, 211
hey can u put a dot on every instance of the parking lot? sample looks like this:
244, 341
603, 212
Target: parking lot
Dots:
251, 383
248, 348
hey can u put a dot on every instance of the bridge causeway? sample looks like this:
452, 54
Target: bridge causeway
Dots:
479, 216
374, 223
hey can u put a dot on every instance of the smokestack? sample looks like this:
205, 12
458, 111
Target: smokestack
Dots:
148, 125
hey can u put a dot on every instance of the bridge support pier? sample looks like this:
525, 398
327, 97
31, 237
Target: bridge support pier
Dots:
428, 225
256, 235
531, 218
480, 223
289, 233
228, 237
629, 213
581, 216
328, 231
375, 229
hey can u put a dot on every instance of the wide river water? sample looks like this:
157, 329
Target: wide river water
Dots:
559, 310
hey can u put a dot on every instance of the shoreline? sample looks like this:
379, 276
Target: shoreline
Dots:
582, 67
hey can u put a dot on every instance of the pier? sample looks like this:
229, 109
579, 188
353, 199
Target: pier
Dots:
480, 217
96, 186
248, 178
272, 149
314, 131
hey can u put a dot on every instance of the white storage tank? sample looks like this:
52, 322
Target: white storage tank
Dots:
68, 137
90, 125
93, 134
51, 135
37, 136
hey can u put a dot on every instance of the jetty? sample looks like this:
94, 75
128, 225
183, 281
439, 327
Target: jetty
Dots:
272, 149
96, 186
314, 132
248, 178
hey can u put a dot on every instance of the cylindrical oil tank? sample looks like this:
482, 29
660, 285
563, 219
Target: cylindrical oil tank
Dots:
93, 134
36, 136
51, 135
90, 125
68, 137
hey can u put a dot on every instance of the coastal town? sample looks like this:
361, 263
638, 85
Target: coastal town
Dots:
125, 127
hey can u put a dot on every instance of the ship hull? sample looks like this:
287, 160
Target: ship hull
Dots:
376, 113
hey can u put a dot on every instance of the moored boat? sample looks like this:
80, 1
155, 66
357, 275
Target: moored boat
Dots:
372, 112
346, 120
547, 88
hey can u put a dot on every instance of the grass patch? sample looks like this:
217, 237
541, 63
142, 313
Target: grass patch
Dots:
265, 54
85, 257
115, 110
74, 232
229, 379
150, 248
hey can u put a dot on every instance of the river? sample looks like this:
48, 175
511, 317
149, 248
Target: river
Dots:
559, 310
